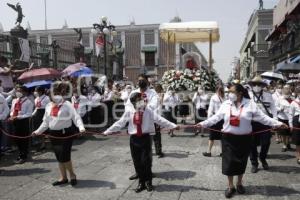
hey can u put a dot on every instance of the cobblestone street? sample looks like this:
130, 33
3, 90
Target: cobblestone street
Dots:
103, 165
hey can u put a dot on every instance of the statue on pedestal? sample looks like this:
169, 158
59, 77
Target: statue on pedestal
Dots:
18, 9
79, 33
261, 4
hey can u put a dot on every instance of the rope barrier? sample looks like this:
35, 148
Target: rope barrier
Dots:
123, 133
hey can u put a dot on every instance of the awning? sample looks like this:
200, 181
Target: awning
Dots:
190, 31
149, 49
296, 59
288, 67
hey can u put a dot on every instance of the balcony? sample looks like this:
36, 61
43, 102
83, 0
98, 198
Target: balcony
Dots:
260, 51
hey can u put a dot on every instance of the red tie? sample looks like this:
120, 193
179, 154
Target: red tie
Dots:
17, 108
55, 110
138, 121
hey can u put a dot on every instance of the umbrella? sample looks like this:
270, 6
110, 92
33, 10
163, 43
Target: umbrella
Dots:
82, 72
39, 74
293, 81
43, 83
272, 75
73, 68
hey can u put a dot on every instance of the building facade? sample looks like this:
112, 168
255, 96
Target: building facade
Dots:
254, 56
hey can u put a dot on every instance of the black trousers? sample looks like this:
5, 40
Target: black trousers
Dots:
261, 139
21, 128
140, 148
157, 140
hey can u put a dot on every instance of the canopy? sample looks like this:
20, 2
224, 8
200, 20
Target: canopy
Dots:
43, 83
190, 31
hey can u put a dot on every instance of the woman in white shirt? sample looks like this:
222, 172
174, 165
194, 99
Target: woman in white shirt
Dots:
201, 101
237, 113
58, 119
80, 103
170, 102
214, 105
294, 122
283, 107
96, 113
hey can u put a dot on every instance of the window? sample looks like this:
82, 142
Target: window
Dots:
149, 58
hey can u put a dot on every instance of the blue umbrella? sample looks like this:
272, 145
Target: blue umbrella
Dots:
82, 72
43, 83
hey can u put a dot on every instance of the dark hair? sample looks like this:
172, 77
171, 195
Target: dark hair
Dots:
144, 76
159, 88
240, 89
23, 88
134, 97
3, 59
40, 90
61, 88
110, 81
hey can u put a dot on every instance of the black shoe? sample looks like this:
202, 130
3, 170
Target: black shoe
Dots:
264, 164
57, 183
20, 161
73, 181
133, 177
288, 146
160, 155
140, 188
240, 189
284, 149
171, 134
254, 169
197, 133
202, 135
206, 154
149, 186
220, 154
229, 192
153, 175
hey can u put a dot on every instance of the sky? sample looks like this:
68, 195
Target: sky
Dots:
232, 16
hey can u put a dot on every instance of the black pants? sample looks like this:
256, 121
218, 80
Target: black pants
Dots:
261, 139
21, 128
157, 140
140, 148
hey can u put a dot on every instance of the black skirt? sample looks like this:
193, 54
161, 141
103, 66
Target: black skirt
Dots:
184, 109
62, 147
235, 153
296, 132
37, 119
97, 115
215, 135
201, 115
170, 115
284, 132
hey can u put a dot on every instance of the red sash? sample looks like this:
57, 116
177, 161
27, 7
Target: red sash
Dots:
39, 102
235, 120
76, 103
144, 96
18, 107
138, 121
55, 109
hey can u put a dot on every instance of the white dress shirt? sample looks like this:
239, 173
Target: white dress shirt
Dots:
95, 100
108, 95
267, 99
151, 98
294, 111
66, 115
250, 112
214, 105
276, 96
44, 100
201, 101
283, 108
26, 108
149, 118
82, 104
125, 95
170, 101
4, 109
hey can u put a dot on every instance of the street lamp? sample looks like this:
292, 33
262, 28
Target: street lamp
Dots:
106, 29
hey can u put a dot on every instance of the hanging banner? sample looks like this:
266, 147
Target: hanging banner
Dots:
100, 45
25, 50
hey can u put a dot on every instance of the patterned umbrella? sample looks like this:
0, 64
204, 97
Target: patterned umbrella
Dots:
73, 68
85, 71
39, 74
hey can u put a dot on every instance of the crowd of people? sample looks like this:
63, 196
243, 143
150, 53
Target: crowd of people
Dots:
241, 116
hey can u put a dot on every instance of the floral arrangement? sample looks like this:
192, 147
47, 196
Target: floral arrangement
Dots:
190, 80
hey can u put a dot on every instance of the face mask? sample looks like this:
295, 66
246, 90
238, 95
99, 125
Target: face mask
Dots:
128, 90
142, 84
232, 97
36, 94
57, 99
200, 91
19, 95
257, 89
140, 105
279, 91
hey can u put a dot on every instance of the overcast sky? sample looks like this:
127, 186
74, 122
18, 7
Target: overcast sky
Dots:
232, 16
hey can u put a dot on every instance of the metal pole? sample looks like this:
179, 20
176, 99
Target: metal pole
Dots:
210, 53
168, 51
105, 59
45, 3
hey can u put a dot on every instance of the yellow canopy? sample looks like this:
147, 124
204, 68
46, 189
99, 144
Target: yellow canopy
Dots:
190, 31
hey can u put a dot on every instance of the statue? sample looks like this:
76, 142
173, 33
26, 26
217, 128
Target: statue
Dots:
79, 33
261, 4
18, 9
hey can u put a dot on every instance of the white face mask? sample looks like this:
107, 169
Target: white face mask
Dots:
232, 97
257, 89
279, 91
200, 91
19, 95
36, 94
57, 99
140, 105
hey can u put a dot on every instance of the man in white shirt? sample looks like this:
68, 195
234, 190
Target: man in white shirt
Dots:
4, 112
141, 121
266, 104
21, 111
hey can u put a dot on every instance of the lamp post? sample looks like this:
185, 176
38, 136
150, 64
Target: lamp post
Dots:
106, 29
